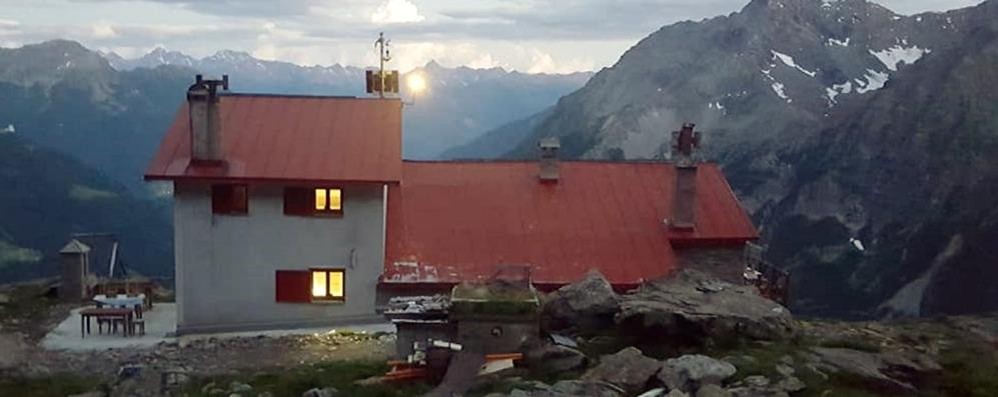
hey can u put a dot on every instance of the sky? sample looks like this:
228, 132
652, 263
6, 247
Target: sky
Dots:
534, 36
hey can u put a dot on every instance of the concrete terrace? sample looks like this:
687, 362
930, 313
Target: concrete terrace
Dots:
161, 322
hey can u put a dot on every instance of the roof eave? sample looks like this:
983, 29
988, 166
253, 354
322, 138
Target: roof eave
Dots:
261, 180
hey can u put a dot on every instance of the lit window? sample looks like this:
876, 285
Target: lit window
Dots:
320, 199
313, 201
327, 284
328, 200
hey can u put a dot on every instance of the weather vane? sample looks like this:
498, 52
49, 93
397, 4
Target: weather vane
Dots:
385, 55
384, 81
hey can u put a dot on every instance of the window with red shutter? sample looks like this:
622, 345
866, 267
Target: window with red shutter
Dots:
230, 199
293, 286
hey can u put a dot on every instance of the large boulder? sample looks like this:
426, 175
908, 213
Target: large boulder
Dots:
694, 308
586, 305
892, 372
691, 371
628, 369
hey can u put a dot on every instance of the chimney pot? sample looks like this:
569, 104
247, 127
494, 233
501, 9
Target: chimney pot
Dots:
549, 168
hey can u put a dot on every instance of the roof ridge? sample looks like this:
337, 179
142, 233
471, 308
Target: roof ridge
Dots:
311, 96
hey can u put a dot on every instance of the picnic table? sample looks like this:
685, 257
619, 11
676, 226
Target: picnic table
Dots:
105, 312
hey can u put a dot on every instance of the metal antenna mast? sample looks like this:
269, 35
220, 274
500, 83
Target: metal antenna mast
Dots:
384, 55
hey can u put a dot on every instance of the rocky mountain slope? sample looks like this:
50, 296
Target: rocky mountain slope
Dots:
854, 135
63, 96
911, 175
458, 106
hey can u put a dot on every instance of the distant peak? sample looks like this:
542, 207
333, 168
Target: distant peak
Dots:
66, 45
432, 64
232, 54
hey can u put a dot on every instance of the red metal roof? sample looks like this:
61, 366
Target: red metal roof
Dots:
456, 221
292, 138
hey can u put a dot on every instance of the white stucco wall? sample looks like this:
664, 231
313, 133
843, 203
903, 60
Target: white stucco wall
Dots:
225, 264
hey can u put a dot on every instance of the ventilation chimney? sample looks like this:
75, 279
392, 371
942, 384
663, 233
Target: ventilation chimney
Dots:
206, 125
549, 159
685, 141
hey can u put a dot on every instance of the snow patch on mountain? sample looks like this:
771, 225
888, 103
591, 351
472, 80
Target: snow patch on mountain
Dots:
874, 81
836, 42
835, 90
896, 55
789, 61
778, 88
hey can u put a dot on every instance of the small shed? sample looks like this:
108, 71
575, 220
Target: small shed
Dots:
75, 258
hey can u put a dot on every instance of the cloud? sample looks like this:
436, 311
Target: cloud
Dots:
228, 8
103, 30
396, 11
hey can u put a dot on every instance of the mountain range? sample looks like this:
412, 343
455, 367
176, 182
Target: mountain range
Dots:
859, 139
458, 105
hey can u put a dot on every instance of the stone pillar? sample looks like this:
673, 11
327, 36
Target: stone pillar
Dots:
73, 258
74, 267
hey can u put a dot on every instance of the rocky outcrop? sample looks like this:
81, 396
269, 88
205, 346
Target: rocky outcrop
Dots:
695, 308
628, 369
586, 305
690, 372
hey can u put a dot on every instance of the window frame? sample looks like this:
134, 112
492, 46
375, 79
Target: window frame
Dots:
327, 211
327, 271
226, 207
295, 198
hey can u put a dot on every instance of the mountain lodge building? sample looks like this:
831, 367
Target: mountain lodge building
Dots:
298, 211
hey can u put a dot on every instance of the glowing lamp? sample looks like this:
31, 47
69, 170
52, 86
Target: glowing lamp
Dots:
416, 83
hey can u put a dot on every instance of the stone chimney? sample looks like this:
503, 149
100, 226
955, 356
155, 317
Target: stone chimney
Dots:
205, 120
685, 141
549, 159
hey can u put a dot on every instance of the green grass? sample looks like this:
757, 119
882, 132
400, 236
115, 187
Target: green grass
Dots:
854, 344
969, 370
60, 385
85, 193
762, 358
10, 253
294, 381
